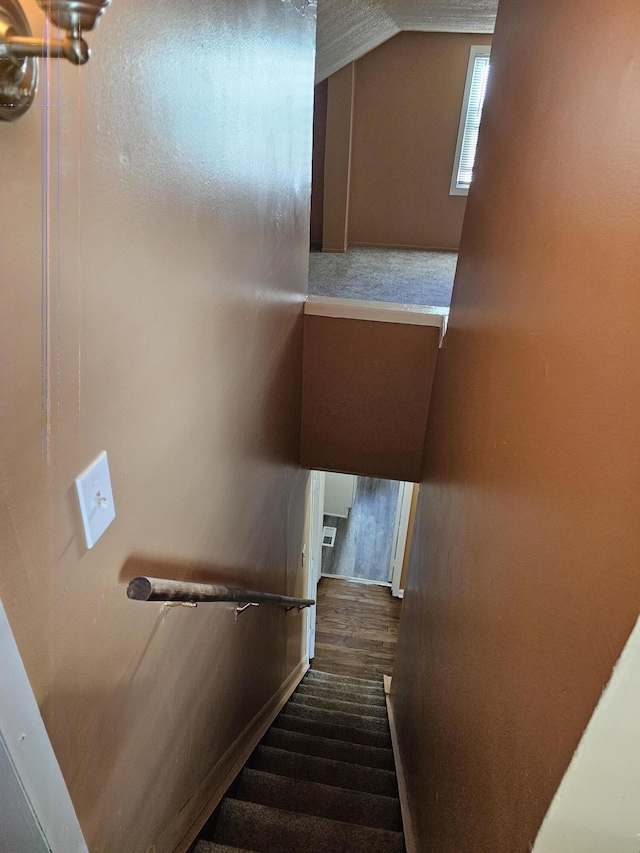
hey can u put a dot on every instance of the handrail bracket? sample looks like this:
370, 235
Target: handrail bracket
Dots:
242, 607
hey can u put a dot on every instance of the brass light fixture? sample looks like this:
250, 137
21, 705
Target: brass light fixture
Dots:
19, 50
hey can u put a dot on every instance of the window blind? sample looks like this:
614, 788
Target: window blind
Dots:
472, 121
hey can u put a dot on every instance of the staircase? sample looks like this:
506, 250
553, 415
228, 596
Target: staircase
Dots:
321, 780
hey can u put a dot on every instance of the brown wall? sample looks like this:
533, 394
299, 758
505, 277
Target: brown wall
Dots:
408, 98
366, 393
341, 88
317, 165
524, 584
407, 113
156, 314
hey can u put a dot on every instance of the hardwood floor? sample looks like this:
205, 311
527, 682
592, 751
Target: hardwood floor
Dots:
356, 629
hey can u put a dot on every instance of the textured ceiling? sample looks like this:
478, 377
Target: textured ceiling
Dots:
347, 29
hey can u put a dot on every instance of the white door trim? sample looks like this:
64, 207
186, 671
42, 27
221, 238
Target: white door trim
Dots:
596, 806
316, 523
29, 748
401, 530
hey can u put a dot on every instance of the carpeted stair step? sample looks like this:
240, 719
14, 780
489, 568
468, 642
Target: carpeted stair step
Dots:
354, 753
354, 689
339, 705
341, 718
313, 689
313, 798
326, 771
251, 826
322, 779
344, 682
347, 679
335, 731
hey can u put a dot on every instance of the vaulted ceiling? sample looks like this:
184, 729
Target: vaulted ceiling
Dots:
347, 29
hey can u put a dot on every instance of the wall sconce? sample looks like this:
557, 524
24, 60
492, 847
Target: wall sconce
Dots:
19, 50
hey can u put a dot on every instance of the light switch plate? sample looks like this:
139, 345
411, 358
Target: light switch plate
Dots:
96, 499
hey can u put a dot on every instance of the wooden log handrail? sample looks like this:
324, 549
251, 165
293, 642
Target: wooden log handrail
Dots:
159, 589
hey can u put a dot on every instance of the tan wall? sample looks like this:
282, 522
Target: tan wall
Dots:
523, 584
166, 285
366, 393
406, 118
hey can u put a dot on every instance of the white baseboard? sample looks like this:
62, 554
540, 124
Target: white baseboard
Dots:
364, 581
413, 246
410, 841
233, 760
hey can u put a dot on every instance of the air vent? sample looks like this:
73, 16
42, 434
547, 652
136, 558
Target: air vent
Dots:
329, 536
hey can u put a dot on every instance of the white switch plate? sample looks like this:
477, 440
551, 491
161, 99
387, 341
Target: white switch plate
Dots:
96, 499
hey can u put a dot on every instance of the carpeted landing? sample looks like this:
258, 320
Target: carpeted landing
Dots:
384, 275
321, 780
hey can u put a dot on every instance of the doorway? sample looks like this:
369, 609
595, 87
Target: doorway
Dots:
347, 496
361, 527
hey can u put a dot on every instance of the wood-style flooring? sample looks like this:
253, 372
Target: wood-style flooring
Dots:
364, 540
356, 629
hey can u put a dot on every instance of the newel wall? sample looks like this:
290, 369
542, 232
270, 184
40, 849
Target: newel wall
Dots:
523, 584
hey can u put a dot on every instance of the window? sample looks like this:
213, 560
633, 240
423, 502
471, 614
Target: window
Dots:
474, 92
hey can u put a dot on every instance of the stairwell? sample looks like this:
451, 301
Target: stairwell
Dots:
322, 779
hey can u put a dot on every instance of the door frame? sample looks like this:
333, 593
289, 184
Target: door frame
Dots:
400, 535
316, 523
33, 760
314, 569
